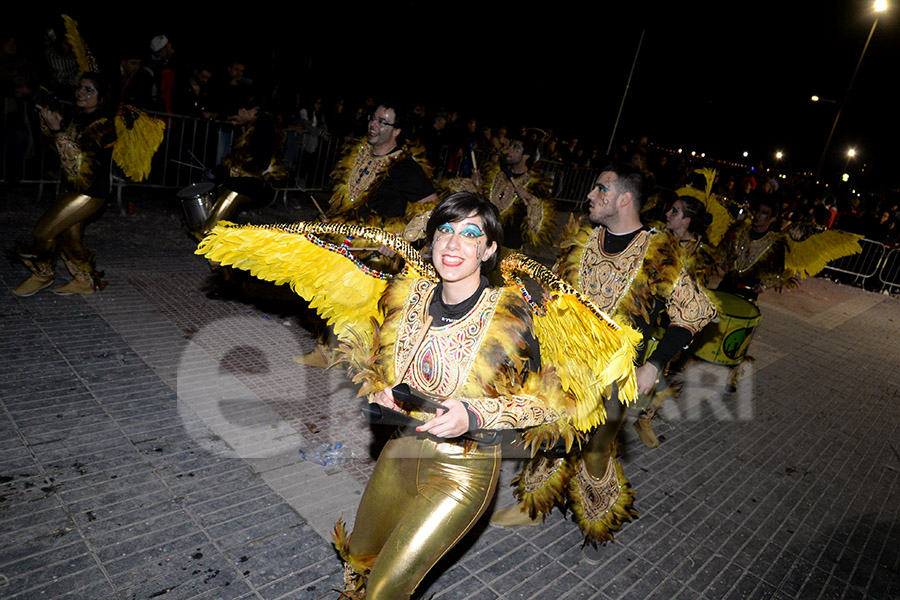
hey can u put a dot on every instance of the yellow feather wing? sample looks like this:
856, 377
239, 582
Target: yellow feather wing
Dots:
342, 291
721, 218
589, 351
138, 137
83, 56
811, 255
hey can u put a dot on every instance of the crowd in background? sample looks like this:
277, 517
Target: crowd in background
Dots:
152, 75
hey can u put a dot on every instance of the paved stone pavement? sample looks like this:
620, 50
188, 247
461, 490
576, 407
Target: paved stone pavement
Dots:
151, 438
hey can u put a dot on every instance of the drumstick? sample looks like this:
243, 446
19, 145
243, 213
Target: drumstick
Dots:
474, 162
178, 162
200, 164
317, 206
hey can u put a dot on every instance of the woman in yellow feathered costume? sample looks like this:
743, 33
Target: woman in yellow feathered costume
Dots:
87, 143
84, 144
443, 331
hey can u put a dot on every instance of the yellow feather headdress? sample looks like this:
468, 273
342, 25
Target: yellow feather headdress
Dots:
721, 219
86, 61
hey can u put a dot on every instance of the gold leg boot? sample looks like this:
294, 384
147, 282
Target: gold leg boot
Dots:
33, 285
85, 279
317, 357
515, 516
41, 277
644, 427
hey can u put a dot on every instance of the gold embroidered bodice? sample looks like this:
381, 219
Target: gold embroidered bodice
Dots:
748, 251
441, 363
605, 278
503, 194
367, 167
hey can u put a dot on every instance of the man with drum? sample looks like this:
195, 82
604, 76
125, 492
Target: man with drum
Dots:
754, 253
634, 273
251, 166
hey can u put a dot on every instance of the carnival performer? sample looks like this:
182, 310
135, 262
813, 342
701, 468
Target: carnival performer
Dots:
754, 254
87, 143
378, 181
688, 220
379, 177
84, 144
519, 188
253, 164
633, 272
440, 328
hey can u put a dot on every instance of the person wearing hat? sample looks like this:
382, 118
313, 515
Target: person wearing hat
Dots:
161, 65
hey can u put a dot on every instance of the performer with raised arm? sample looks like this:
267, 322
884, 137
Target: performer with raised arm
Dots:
519, 189
87, 142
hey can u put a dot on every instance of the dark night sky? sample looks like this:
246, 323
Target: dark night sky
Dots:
720, 78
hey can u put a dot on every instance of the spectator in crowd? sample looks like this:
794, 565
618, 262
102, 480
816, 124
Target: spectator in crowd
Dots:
135, 84
62, 66
18, 80
162, 67
192, 97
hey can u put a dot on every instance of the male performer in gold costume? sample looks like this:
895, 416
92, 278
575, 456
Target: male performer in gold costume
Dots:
252, 164
633, 273
375, 182
755, 254
521, 191
378, 178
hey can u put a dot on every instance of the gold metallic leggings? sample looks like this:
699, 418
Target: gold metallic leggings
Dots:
61, 228
422, 498
226, 206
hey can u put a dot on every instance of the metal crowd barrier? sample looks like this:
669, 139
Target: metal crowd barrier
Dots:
889, 275
192, 147
863, 266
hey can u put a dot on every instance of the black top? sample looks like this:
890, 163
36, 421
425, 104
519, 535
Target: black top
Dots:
405, 182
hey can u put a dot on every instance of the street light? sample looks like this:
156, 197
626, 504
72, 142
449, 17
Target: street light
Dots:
851, 153
879, 6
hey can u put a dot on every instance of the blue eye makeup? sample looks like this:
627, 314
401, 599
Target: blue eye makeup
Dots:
472, 231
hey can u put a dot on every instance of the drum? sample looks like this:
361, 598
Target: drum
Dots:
725, 341
196, 200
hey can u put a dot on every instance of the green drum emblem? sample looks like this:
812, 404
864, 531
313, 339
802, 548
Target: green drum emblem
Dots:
733, 343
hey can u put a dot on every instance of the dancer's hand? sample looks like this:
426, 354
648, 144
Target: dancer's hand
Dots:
452, 423
52, 119
646, 376
385, 398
